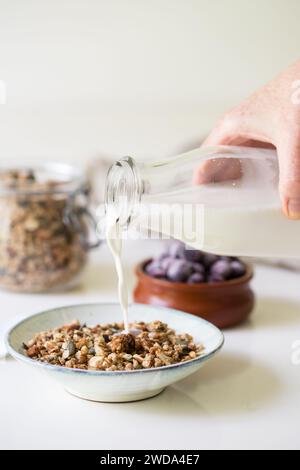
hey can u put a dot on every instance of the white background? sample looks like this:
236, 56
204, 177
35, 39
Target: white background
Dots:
149, 78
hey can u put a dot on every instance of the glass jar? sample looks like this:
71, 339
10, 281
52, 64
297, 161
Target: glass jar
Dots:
43, 226
223, 200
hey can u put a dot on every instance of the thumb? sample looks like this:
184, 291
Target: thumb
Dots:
289, 181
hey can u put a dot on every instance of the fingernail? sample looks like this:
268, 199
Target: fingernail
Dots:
294, 208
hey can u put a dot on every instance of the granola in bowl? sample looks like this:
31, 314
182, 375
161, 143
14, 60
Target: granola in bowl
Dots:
42, 351
107, 348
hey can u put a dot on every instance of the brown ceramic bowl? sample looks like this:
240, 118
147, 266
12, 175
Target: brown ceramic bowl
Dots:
225, 304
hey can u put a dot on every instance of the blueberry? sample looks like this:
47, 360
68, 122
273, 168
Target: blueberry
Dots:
192, 255
215, 278
162, 256
176, 250
237, 269
152, 265
222, 268
196, 278
198, 268
154, 269
166, 263
225, 258
208, 259
179, 271
157, 273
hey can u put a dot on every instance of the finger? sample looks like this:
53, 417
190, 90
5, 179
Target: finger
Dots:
289, 184
222, 136
217, 170
243, 126
217, 137
220, 169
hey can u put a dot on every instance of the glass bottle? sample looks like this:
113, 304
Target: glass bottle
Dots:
223, 200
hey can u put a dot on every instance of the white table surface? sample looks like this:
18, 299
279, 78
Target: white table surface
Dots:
247, 397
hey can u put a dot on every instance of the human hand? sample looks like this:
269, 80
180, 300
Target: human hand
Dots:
270, 118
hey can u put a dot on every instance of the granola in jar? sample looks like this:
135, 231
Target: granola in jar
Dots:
42, 234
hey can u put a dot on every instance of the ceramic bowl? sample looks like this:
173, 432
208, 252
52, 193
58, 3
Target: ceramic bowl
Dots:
119, 386
225, 304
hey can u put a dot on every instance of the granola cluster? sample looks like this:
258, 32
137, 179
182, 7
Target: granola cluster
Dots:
39, 250
106, 347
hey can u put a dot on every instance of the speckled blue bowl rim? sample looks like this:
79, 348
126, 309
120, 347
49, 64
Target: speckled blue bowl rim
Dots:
66, 370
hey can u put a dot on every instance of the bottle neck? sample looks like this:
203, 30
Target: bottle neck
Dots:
124, 190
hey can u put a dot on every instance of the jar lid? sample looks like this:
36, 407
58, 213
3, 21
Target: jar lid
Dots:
40, 178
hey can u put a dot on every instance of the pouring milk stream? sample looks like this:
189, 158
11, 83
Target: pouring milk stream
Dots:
114, 241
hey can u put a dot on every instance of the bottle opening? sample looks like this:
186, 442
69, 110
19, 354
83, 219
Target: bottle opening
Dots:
123, 191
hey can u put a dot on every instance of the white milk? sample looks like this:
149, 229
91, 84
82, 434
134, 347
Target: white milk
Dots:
114, 242
252, 232
241, 227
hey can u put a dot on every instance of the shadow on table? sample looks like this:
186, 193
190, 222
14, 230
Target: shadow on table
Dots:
228, 384
275, 312
271, 312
